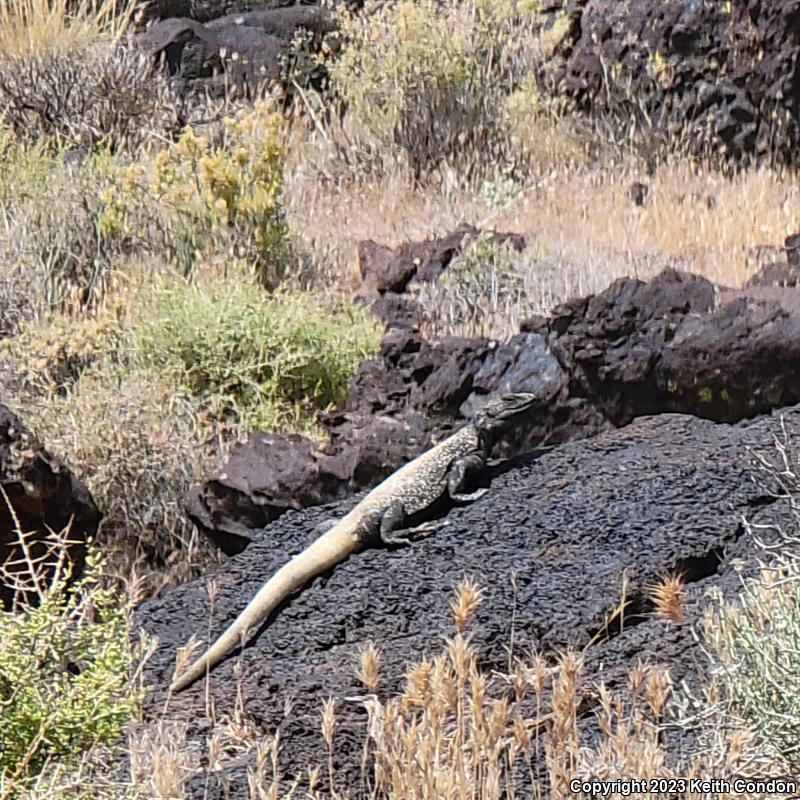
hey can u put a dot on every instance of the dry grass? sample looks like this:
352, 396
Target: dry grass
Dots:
692, 218
138, 448
667, 596
460, 732
36, 27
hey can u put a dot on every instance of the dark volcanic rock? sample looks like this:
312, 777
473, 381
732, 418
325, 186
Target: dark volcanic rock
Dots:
775, 274
786, 274
642, 348
742, 359
609, 343
722, 75
637, 193
39, 495
205, 10
386, 270
246, 47
601, 361
397, 311
569, 526
262, 479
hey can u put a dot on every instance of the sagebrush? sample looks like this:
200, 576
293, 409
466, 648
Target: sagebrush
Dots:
433, 78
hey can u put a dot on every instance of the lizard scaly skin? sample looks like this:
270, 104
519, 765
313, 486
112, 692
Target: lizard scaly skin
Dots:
414, 488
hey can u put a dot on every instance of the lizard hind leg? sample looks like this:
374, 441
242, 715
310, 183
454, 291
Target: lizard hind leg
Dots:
392, 521
459, 475
394, 532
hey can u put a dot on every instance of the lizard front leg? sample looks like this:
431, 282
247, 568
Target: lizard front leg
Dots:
459, 474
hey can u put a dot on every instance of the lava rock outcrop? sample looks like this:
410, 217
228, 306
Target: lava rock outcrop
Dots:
554, 542
714, 76
637, 348
384, 269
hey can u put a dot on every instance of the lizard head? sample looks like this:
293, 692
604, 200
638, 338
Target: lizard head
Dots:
504, 411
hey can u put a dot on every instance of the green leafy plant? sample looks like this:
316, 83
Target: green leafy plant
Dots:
265, 361
66, 669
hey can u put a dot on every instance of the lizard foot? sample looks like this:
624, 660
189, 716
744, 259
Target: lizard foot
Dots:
468, 498
411, 535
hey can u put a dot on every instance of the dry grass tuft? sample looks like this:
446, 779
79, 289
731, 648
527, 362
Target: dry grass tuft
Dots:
668, 596
369, 667
469, 596
161, 758
36, 27
138, 449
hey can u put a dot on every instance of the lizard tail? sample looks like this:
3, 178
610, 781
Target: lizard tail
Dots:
328, 550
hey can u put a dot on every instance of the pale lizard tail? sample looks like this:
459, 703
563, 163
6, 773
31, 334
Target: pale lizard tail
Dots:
328, 550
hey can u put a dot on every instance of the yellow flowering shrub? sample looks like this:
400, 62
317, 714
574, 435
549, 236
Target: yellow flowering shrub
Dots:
204, 199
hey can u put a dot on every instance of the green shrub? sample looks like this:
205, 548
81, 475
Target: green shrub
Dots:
133, 395
431, 77
755, 645
65, 675
265, 361
51, 238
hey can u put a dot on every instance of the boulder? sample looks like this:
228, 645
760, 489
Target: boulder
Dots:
742, 359
713, 76
386, 270
635, 349
780, 274
244, 48
206, 10
553, 544
609, 343
38, 495
263, 477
